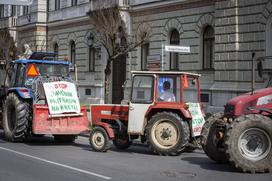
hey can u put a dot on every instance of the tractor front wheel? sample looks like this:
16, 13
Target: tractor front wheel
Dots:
167, 133
249, 143
99, 139
211, 141
16, 118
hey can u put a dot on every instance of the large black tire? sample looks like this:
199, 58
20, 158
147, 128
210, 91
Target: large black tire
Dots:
64, 138
167, 133
99, 140
16, 118
248, 143
122, 142
211, 144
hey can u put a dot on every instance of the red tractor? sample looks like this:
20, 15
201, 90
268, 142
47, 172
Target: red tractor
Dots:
164, 110
242, 134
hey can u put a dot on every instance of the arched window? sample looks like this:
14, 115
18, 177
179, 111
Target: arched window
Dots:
73, 52
56, 49
174, 40
208, 48
144, 54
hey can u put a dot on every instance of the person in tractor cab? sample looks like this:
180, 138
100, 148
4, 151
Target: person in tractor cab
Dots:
167, 95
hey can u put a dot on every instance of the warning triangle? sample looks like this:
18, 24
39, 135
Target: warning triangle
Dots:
32, 71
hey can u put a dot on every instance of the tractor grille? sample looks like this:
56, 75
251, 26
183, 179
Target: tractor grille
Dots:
229, 108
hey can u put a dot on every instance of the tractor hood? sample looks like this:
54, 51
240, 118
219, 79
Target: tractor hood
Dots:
239, 105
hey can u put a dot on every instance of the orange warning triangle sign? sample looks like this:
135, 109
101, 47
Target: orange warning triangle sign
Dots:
32, 71
185, 81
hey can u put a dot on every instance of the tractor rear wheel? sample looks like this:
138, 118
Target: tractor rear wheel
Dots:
212, 144
249, 143
64, 138
16, 118
122, 142
99, 140
167, 133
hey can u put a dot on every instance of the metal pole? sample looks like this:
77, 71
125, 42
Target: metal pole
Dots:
162, 56
252, 74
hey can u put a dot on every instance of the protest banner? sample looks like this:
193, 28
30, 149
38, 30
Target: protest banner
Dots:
197, 118
61, 97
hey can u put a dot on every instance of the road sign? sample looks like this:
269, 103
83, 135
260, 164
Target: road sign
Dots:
180, 49
17, 2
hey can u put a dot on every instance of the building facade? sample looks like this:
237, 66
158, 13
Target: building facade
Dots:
221, 34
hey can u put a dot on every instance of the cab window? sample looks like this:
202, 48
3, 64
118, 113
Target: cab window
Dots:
142, 89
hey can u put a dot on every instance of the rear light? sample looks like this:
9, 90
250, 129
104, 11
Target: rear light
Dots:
25, 92
186, 106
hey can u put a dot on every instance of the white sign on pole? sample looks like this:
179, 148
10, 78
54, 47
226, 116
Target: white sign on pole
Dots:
180, 49
61, 97
17, 2
197, 118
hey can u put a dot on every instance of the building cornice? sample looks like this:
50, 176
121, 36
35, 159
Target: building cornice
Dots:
168, 6
67, 21
29, 26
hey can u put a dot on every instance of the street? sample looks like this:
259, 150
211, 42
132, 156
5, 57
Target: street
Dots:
43, 159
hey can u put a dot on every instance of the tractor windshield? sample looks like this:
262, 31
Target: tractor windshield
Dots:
52, 69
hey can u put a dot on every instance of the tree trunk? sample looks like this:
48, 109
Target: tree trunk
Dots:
107, 72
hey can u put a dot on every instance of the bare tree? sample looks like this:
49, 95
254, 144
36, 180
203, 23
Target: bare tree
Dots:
8, 48
110, 31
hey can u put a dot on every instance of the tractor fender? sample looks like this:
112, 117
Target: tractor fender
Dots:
107, 127
23, 93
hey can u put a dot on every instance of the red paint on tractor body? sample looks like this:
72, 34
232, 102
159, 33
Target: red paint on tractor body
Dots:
67, 125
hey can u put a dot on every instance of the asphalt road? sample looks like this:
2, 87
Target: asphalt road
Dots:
41, 159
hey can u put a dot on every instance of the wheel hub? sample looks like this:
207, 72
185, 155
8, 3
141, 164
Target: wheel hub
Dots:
165, 134
254, 144
98, 139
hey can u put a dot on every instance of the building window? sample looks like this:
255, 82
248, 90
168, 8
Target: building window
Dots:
268, 38
13, 10
73, 52
74, 3
92, 53
208, 48
56, 50
2, 10
144, 55
57, 4
174, 40
88, 92
26, 10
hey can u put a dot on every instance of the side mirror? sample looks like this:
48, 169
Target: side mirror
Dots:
124, 84
260, 68
193, 81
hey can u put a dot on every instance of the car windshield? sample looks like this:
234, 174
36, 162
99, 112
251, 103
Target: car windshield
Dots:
53, 69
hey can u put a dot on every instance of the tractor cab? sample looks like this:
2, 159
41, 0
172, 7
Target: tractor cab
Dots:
164, 110
157, 91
